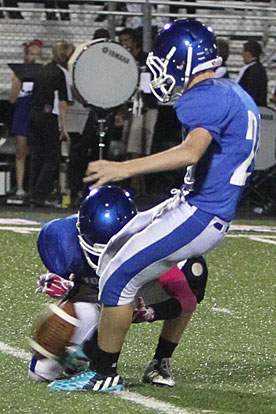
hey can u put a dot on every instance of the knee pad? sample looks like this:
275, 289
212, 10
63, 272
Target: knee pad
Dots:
196, 272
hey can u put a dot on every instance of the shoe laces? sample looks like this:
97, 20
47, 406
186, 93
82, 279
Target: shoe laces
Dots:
178, 197
153, 365
165, 367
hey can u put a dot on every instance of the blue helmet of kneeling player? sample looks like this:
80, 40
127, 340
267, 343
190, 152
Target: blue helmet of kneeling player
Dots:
102, 214
182, 49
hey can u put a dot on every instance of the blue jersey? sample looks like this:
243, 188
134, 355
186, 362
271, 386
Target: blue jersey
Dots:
223, 108
61, 253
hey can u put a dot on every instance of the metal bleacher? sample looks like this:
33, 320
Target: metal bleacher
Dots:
236, 21
239, 21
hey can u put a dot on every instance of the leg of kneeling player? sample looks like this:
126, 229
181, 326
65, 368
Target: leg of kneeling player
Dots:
45, 369
187, 286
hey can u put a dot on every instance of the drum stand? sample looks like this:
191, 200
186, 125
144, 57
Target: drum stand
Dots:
101, 133
102, 118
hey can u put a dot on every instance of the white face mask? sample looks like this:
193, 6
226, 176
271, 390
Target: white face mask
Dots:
95, 250
163, 85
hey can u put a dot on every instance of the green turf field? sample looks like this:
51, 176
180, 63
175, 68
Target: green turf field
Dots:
226, 362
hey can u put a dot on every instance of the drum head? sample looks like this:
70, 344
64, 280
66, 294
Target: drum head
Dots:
103, 73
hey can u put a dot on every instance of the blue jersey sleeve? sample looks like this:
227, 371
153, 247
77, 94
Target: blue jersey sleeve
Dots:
59, 248
212, 105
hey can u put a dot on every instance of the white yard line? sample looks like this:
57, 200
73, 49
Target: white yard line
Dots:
146, 402
157, 405
20, 221
222, 310
259, 229
16, 352
23, 230
262, 239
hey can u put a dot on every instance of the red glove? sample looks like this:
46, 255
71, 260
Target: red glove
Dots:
141, 312
54, 285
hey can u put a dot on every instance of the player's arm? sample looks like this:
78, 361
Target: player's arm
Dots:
188, 152
63, 105
15, 89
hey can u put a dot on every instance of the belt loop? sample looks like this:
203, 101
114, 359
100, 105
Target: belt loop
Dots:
218, 226
221, 227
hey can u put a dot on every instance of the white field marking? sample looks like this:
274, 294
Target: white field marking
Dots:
234, 227
134, 397
262, 239
18, 353
260, 229
160, 406
23, 230
20, 221
223, 310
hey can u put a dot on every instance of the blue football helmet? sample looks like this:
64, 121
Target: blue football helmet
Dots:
101, 215
182, 49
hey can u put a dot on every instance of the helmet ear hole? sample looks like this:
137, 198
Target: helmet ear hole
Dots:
181, 65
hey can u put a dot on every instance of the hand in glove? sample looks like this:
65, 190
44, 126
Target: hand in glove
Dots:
54, 285
141, 312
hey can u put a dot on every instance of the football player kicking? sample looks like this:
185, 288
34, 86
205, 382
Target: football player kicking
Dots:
69, 248
222, 125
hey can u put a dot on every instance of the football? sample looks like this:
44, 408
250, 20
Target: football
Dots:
54, 331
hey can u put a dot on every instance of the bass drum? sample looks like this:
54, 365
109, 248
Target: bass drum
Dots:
103, 73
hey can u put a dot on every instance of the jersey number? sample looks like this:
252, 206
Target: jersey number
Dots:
240, 174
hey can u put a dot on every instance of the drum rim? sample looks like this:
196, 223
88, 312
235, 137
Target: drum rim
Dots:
85, 46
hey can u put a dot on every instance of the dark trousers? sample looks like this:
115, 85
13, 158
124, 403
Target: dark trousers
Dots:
44, 153
11, 14
78, 160
52, 4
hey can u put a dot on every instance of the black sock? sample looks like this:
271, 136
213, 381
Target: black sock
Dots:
104, 363
164, 349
